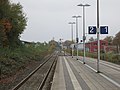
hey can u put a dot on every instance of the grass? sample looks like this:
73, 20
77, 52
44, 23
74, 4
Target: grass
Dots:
110, 57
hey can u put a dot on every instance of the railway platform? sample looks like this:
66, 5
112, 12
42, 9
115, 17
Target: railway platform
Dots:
72, 74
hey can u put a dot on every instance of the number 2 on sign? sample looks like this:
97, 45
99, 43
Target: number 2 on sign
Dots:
91, 29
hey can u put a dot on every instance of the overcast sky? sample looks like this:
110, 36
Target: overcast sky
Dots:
49, 18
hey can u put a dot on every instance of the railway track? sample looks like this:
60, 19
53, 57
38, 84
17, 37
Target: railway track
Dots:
37, 78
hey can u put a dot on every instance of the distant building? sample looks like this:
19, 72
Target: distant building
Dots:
80, 46
93, 46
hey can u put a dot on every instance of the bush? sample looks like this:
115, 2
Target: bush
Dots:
116, 59
12, 60
110, 57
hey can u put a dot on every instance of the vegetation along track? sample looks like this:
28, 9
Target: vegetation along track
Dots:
36, 79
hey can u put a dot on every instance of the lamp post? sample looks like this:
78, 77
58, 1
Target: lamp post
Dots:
84, 37
72, 34
77, 39
98, 36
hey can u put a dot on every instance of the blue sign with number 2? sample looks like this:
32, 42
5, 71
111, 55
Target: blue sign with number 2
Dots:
92, 29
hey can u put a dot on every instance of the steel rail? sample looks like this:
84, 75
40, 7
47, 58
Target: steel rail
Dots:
33, 72
48, 72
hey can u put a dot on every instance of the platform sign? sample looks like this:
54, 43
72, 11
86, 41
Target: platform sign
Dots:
103, 29
92, 29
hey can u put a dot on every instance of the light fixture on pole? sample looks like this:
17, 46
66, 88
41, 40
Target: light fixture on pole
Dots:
71, 23
77, 39
84, 37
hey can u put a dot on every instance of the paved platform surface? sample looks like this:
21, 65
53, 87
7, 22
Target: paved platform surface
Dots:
71, 74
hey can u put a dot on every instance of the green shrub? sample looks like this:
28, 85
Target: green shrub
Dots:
12, 60
116, 59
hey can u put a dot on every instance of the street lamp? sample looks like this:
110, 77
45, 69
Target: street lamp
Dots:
77, 39
98, 36
72, 35
84, 38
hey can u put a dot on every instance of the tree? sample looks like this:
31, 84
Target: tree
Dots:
52, 44
12, 23
4, 11
68, 43
18, 21
116, 40
109, 39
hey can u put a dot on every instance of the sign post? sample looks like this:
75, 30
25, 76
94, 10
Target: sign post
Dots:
98, 30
